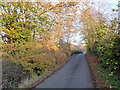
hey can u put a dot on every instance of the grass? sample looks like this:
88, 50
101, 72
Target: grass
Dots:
28, 82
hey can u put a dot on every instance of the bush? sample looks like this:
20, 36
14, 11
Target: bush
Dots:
109, 53
109, 56
34, 57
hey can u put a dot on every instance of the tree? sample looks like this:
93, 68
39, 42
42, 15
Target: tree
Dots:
23, 20
94, 26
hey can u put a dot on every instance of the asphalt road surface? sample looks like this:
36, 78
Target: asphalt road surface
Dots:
75, 74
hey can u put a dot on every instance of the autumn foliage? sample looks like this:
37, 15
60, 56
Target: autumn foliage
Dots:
31, 35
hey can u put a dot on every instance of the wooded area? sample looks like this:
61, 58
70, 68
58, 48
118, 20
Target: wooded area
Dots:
35, 38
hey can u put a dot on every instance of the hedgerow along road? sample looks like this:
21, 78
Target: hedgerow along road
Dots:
75, 74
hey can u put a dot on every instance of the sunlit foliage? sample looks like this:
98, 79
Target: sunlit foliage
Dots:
32, 37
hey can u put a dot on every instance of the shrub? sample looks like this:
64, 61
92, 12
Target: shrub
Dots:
34, 57
109, 53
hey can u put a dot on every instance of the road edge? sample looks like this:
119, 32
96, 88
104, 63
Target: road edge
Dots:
91, 72
57, 68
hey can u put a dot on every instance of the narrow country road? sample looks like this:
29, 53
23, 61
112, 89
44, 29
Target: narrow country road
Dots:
75, 74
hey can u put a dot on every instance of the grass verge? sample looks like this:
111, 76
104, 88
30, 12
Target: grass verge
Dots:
102, 77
